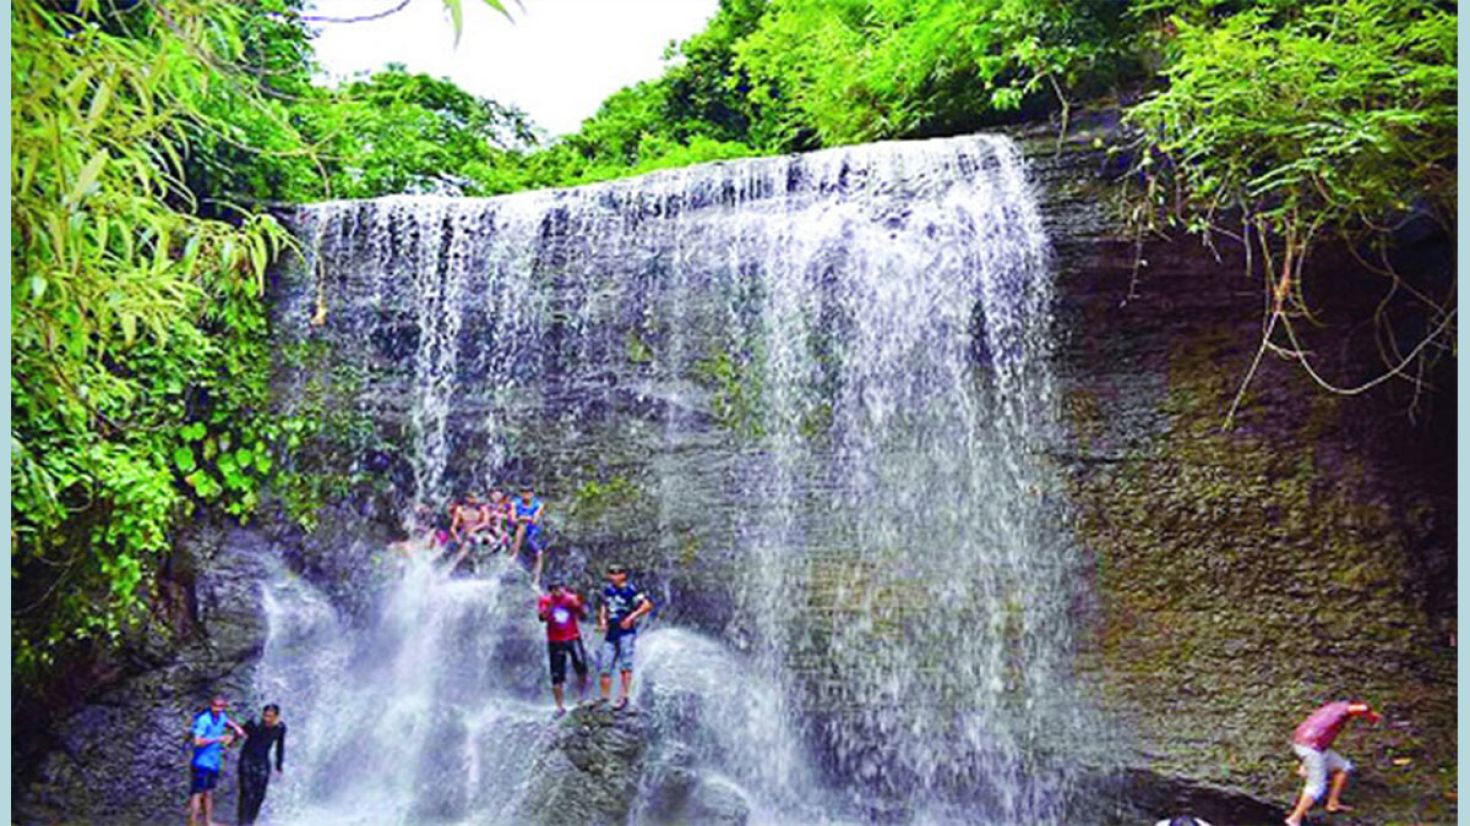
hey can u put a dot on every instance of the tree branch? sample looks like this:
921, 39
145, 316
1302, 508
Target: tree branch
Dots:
310, 18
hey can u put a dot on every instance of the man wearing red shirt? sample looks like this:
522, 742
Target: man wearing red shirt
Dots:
1312, 742
560, 608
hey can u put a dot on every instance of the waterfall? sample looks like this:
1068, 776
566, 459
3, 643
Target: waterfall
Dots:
828, 377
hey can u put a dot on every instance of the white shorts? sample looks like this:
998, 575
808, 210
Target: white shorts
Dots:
1319, 764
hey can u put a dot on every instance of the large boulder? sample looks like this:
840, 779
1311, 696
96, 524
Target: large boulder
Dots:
588, 772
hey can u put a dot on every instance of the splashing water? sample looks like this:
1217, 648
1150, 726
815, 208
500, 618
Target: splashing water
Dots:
840, 364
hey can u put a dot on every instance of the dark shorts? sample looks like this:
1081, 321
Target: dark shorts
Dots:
558, 652
202, 780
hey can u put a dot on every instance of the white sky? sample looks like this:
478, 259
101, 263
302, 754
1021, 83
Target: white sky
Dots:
556, 60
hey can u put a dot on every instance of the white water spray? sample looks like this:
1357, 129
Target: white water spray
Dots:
848, 357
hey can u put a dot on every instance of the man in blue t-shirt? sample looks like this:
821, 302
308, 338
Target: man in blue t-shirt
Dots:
527, 514
212, 731
617, 617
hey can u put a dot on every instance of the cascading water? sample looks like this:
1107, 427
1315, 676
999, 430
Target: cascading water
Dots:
832, 373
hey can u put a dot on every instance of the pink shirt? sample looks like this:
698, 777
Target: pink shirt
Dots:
1319, 730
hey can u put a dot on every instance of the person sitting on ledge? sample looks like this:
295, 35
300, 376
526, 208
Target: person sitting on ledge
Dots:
501, 513
529, 510
470, 520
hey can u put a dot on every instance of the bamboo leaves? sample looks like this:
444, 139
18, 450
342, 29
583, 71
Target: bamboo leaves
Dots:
133, 312
86, 183
456, 14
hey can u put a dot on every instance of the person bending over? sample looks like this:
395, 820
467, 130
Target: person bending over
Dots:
1312, 743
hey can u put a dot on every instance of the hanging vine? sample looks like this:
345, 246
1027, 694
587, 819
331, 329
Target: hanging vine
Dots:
1297, 122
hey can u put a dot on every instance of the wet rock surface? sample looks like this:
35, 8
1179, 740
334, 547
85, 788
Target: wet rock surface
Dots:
1243, 577
589, 771
682, 796
123, 756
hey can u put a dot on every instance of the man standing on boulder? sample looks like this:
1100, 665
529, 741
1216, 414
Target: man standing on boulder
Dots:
212, 731
1312, 742
617, 617
560, 609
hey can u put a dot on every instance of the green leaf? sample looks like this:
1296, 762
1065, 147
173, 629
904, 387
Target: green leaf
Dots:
184, 460
244, 458
38, 287
99, 102
456, 15
87, 180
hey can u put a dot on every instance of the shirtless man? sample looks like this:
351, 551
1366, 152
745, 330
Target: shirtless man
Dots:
471, 521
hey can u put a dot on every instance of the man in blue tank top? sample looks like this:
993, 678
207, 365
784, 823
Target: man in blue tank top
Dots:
527, 514
211, 732
617, 617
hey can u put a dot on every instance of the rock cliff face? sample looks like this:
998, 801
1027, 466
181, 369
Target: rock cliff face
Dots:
122, 756
1239, 577
1244, 576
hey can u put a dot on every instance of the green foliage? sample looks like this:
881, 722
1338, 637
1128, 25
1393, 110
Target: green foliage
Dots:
148, 136
1341, 111
853, 70
697, 111
788, 75
637, 349
737, 390
137, 324
402, 133
1303, 120
593, 500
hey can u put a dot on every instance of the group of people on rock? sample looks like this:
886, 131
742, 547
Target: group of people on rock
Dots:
211, 732
619, 611
498, 523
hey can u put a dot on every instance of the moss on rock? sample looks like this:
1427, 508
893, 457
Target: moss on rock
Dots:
1247, 576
